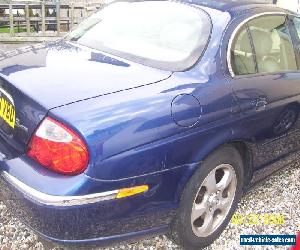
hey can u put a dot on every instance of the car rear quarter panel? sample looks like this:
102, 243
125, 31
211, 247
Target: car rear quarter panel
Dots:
133, 133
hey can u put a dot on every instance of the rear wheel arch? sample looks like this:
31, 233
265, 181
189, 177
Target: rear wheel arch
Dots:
242, 148
246, 154
225, 154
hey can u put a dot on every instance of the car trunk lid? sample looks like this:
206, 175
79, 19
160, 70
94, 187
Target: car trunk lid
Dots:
19, 116
36, 79
63, 73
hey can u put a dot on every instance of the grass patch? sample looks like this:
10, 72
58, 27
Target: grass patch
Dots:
7, 30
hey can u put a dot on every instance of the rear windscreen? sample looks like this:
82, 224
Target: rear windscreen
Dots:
162, 34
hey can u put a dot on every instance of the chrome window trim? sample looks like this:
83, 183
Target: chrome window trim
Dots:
236, 30
52, 200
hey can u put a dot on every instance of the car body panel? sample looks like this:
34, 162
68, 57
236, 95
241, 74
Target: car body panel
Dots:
28, 115
57, 69
142, 116
281, 91
155, 131
39, 78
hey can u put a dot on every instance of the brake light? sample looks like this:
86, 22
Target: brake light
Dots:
58, 148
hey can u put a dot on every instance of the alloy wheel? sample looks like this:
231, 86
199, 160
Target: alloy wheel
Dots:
213, 200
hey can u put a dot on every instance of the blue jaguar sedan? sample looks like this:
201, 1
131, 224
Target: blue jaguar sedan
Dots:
150, 117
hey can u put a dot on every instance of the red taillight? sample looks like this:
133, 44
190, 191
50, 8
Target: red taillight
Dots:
58, 148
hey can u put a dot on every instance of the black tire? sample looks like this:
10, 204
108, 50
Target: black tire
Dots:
181, 228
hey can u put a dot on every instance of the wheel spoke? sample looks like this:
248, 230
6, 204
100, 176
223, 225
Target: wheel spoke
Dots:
226, 180
208, 222
224, 204
197, 211
210, 182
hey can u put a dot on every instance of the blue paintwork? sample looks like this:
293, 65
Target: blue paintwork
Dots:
142, 126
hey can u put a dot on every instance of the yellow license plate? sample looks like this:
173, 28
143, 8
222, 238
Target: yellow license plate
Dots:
7, 112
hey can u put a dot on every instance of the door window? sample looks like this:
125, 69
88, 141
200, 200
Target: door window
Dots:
296, 23
242, 59
274, 51
263, 46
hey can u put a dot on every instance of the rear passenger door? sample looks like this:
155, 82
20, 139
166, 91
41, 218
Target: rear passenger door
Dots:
266, 84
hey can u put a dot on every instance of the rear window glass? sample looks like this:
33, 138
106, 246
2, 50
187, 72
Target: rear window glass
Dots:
163, 34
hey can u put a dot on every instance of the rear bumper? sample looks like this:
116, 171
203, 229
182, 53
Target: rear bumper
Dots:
85, 219
55, 200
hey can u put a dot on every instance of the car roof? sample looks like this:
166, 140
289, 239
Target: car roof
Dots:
225, 5
238, 7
